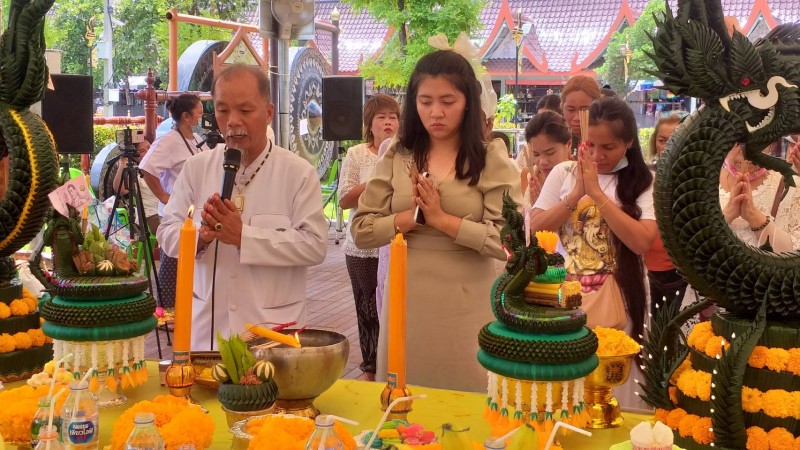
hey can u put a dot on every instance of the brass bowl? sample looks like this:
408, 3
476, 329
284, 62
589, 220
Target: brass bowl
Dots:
302, 374
598, 389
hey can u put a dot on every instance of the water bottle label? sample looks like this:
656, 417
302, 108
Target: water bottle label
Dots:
81, 432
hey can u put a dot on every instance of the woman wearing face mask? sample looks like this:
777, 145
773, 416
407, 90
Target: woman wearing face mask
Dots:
381, 120
746, 194
161, 167
602, 208
450, 265
549, 141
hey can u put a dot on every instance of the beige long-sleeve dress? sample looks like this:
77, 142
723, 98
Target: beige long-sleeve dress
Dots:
449, 281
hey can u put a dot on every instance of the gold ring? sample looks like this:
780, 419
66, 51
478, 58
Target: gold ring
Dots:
218, 226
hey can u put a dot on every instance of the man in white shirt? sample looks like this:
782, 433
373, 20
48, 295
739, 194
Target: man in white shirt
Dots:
266, 244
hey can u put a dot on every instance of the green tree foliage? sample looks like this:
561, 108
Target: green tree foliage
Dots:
613, 68
143, 40
423, 18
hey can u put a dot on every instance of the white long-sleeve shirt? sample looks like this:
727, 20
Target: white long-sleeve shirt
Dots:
284, 232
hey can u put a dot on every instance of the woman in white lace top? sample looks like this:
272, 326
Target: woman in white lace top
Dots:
381, 120
787, 214
746, 194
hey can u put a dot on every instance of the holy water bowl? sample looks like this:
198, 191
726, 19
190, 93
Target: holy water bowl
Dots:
302, 374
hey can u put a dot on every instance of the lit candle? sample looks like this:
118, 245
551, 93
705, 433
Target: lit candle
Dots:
183, 289
273, 335
398, 254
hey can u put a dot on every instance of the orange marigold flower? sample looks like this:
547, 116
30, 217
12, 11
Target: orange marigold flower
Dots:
7, 343
686, 364
780, 439
31, 303
22, 341
687, 383
777, 359
701, 431
777, 403
18, 308
757, 439
703, 384
793, 364
674, 418
37, 336
758, 358
797, 444
5, 311
661, 415
613, 342
673, 394
686, 424
714, 346
751, 399
702, 328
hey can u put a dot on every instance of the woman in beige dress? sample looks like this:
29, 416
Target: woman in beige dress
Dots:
450, 267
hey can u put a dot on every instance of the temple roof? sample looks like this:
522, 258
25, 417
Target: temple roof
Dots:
566, 37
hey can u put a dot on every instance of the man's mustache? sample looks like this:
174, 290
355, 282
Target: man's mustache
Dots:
236, 133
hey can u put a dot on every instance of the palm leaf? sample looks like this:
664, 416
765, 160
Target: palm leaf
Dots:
744, 61
726, 392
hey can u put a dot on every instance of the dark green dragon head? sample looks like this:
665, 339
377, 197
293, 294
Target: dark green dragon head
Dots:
755, 82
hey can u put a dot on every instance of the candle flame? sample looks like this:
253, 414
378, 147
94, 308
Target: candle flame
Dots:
297, 338
190, 213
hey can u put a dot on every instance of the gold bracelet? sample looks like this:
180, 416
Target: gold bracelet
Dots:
762, 226
604, 204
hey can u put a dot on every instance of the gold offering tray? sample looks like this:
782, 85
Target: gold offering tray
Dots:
203, 362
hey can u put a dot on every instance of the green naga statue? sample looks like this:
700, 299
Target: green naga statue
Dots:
750, 94
24, 137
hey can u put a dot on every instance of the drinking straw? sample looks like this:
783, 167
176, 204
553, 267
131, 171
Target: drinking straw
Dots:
55, 369
52, 411
566, 425
386, 415
78, 393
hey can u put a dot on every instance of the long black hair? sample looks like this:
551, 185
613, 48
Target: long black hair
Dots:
471, 157
631, 182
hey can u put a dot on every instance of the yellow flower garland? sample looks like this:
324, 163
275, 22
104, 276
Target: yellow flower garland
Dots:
22, 340
703, 339
614, 342
173, 417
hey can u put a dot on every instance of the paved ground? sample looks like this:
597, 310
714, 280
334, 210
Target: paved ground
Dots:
330, 305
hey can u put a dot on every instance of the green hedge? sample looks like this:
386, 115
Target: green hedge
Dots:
644, 140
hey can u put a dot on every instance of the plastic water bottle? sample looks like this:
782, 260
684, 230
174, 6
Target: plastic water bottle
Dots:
41, 418
145, 435
494, 444
324, 436
80, 421
48, 439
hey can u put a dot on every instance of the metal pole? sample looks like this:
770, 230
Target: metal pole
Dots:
516, 87
172, 16
283, 98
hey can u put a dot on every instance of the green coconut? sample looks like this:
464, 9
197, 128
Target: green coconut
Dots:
264, 370
105, 268
220, 373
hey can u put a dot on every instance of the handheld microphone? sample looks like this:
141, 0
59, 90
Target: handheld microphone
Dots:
230, 165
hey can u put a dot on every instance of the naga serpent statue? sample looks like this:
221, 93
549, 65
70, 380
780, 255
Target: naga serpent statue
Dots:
24, 137
751, 95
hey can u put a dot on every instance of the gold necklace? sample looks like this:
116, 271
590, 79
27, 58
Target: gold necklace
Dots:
238, 199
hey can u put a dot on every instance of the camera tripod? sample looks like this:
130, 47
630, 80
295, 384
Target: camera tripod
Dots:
331, 193
137, 219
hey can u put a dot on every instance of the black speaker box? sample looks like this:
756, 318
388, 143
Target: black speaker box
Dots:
342, 106
68, 110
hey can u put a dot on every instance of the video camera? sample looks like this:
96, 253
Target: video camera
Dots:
213, 136
127, 139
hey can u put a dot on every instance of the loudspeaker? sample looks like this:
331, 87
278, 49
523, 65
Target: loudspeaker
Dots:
342, 106
68, 110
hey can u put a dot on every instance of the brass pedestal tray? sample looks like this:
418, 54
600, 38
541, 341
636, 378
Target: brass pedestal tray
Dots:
599, 385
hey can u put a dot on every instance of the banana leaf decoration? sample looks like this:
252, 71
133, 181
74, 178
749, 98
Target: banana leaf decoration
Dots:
751, 95
24, 137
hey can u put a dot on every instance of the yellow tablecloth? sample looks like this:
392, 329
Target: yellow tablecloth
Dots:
360, 401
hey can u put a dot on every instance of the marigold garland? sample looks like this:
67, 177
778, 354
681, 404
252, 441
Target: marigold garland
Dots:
19, 407
19, 308
5, 311
703, 339
22, 340
173, 417
614, 342
699, 429
288, 433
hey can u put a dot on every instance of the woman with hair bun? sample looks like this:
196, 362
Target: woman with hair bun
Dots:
161, 167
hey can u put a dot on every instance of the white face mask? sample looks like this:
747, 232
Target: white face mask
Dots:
623, 163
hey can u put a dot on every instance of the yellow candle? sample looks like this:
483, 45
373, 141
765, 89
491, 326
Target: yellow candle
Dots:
273, 335
398, 254
183, 288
